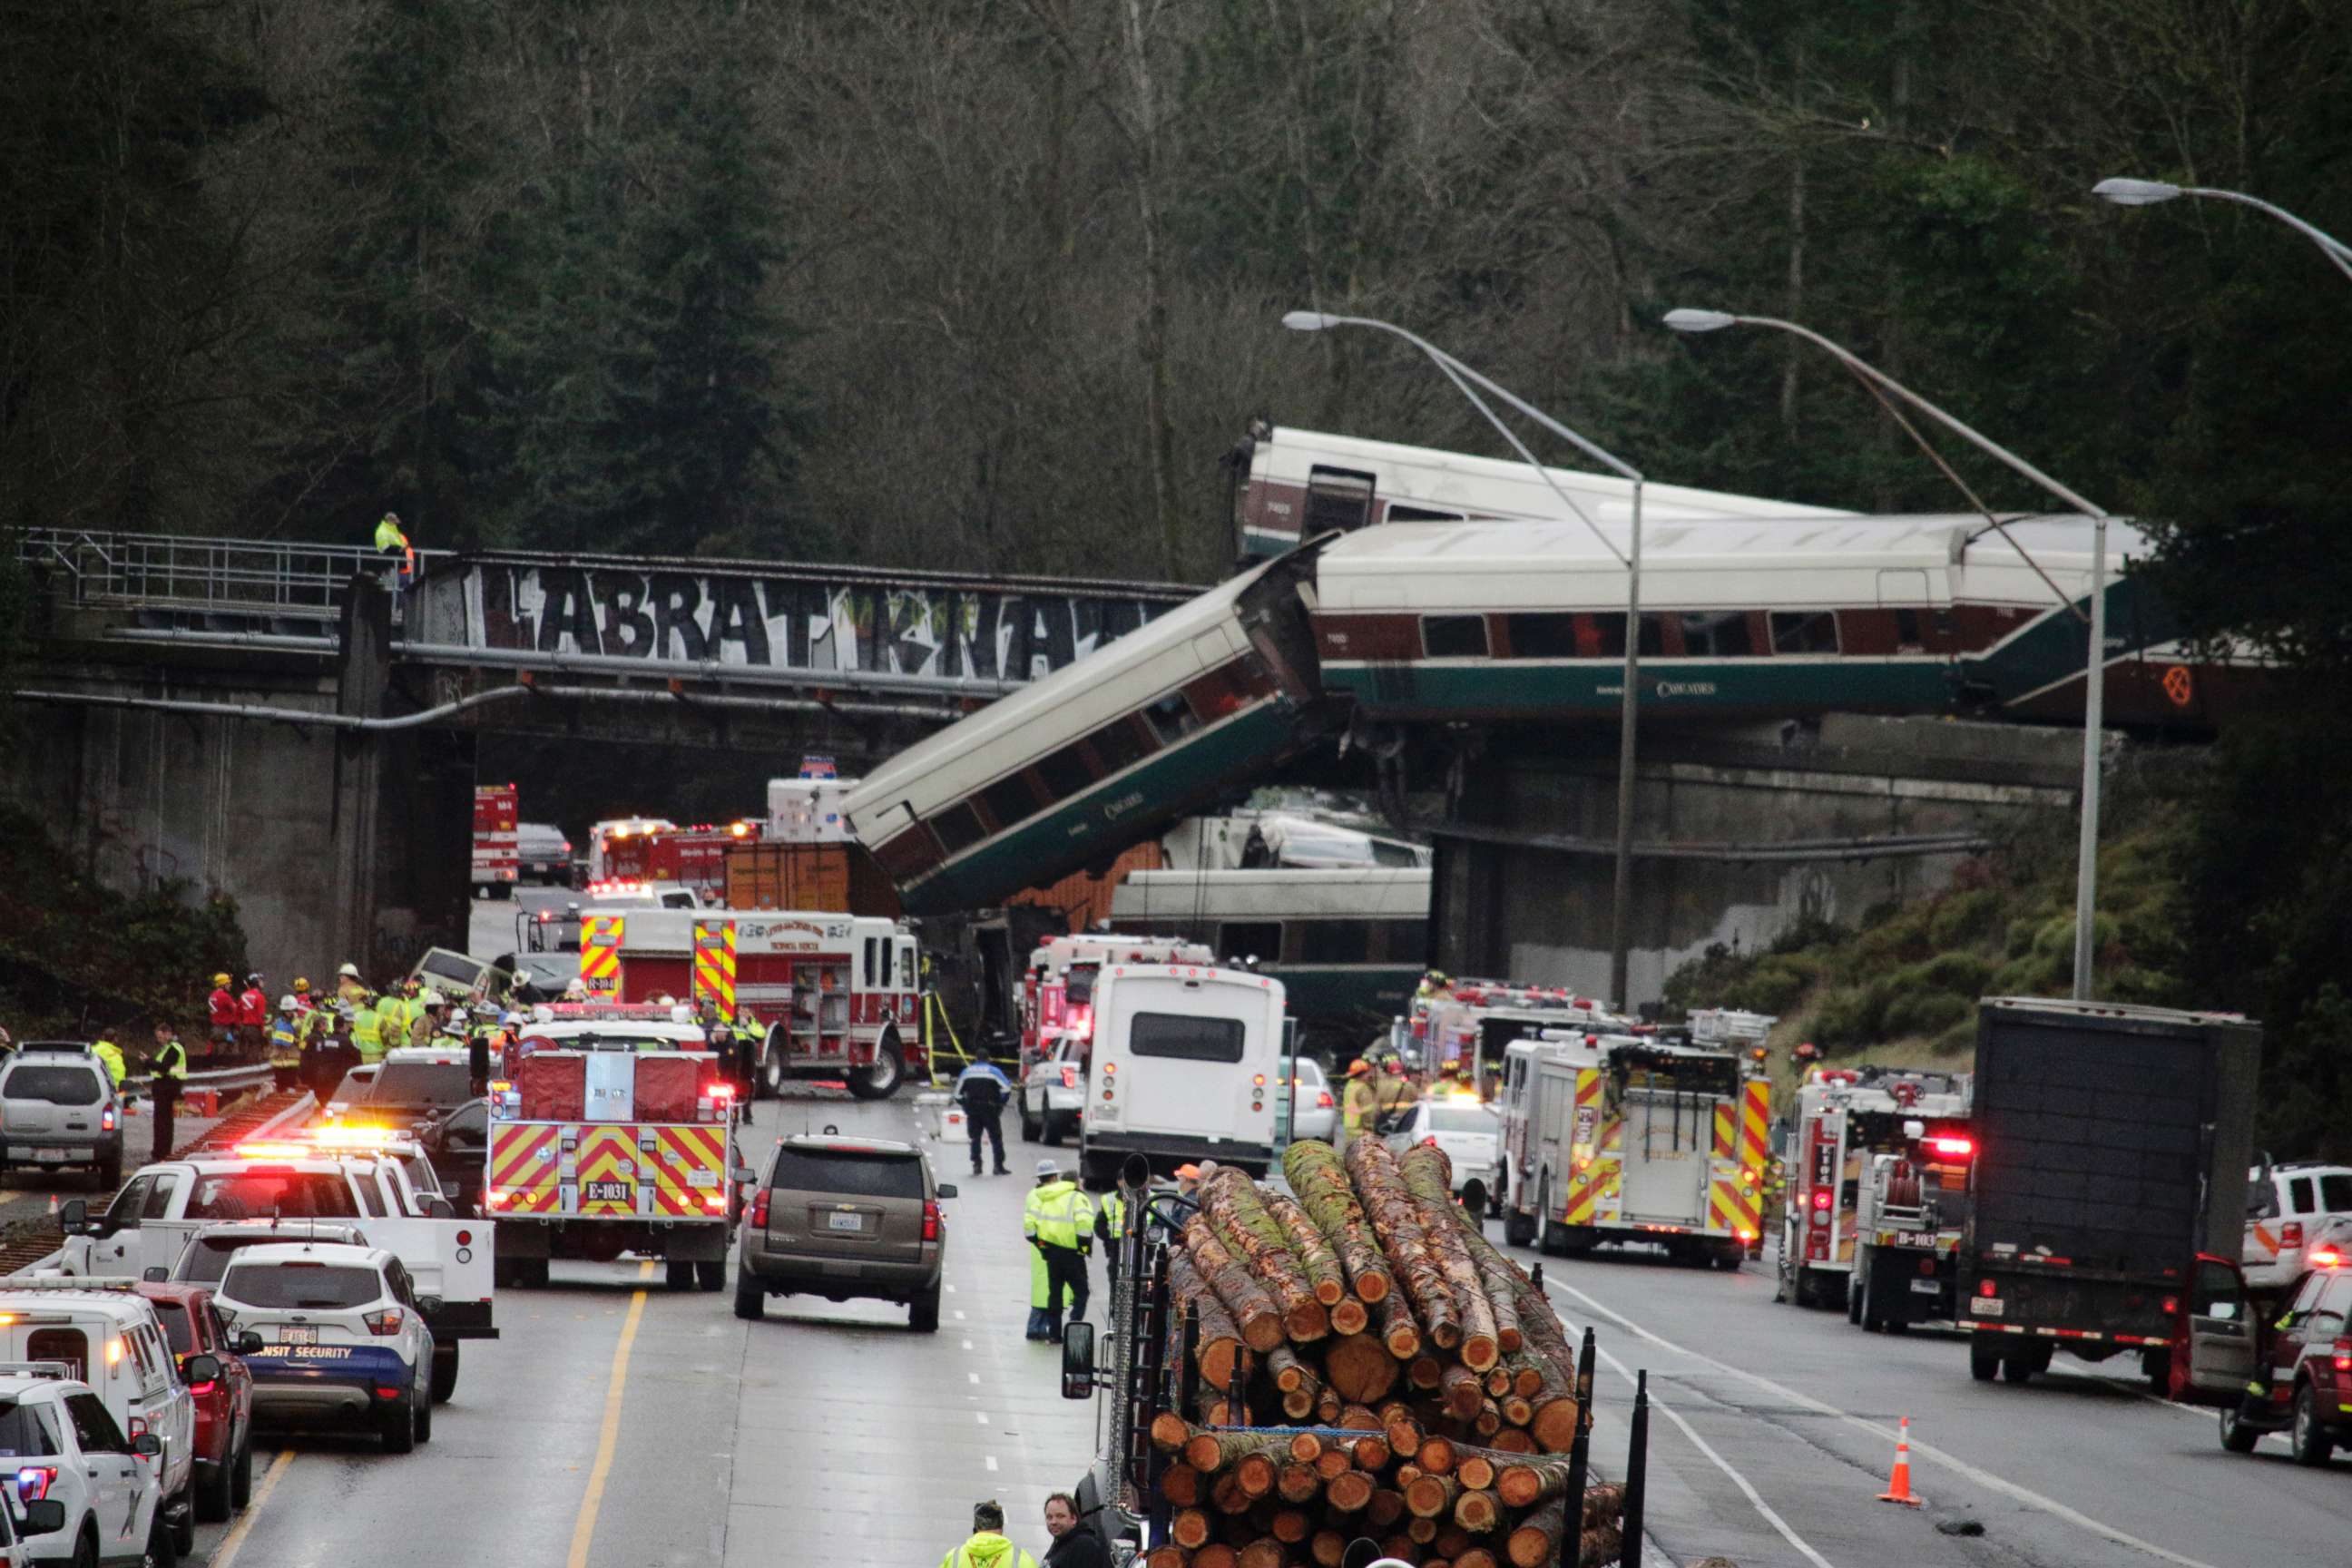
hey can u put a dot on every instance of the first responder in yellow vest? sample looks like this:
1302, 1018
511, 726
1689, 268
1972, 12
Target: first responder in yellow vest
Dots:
109, 1057
1058, 1222
1357, 1103
367, 1024
988, 1547
1125, 1209
349, 986
167, 1071
286, 1032
391, 544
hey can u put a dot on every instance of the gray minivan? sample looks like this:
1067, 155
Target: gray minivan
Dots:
843, 1218
58, 1110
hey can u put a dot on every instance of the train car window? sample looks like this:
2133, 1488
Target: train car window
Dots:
1336, 497
1612, 630
1541, 636
1802, 632
959, 827
1400, 513
1906, 628
1117, 744
1402, 941
910, 854
1229, 688
1172, 719
1066, 772
1009, 800
1453, 637
1335, 942
1261, 940
1718, 635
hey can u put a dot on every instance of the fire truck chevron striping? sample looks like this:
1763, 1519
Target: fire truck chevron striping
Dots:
523, 1167
714, 963
600, 952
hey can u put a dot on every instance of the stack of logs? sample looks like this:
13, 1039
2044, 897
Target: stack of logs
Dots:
1425, 1388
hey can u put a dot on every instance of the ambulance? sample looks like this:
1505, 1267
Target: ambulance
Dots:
1878, 1162
837, 996
1629, 1138
611, 1130
1057, 990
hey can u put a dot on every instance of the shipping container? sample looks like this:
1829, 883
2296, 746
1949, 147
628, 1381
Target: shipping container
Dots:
836, 877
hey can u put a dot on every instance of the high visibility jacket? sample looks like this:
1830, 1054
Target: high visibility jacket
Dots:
309, 1025
388, 535
1357, 1107
171, 1060
225, 1008
110, 1054
286, 1042
1058, 1215
395, 1013
1393, 1094
988, 1550
365, 1036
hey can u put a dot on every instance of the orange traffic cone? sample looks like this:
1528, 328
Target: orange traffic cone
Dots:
1898, 1487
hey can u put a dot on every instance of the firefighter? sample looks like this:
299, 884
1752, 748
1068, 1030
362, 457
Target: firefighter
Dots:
1433, 984
399, 558
252, 1012
987, 1548
1058, 1223
1393, 1095
303, 1001
286, 1041
349, 986
748, 1040
223, 1009
168, 1068
366, 1038
431, 1016
109, 1057
1357, 1104
982, 1090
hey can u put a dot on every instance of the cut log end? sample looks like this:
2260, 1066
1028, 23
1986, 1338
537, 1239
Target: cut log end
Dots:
1348, 1316
1190, 1529
1373, 1286
1554, 1427
1349, 1492
1480, 1353
1478, 1511
1474, 1471
1305, 1447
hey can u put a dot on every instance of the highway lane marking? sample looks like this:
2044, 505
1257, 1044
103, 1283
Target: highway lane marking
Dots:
967, 1344
973, 1375
584, 1532
992, 1460
983, 1416
227, 1552
959, 1315
1953, 1462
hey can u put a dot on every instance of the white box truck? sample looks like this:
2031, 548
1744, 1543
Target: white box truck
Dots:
1186, 1061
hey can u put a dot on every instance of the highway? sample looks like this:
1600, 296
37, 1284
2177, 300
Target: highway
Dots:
617, 1425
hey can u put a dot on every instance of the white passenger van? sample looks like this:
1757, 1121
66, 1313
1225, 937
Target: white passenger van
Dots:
1187, 1058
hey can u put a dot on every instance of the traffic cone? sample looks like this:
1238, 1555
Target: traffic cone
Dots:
53, 1204
1898, 1487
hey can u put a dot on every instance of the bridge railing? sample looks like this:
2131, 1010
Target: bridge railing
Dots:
282, 577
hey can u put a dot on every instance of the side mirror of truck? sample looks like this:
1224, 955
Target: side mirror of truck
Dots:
73, 1218
947, 1189
45, 1516
1079, 1361
201, 1369
440, 1208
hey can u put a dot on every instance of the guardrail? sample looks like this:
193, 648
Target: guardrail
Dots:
275, 577
251, 1076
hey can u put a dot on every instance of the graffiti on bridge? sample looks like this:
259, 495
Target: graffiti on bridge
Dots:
794, 624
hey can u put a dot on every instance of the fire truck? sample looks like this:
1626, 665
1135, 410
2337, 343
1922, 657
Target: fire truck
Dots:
688, 857
1469, 1023
611, 1130
497, 857
1877, 1162
1629, 1138
1058, 990
840, 996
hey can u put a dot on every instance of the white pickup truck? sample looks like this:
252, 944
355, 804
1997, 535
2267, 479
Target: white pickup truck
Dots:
163, 1206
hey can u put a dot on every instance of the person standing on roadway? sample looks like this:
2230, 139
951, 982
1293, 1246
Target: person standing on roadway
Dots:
1357, 1105
1058, 1222
988, 1547
286, 1032
109, 1057
168, 1064
982, 1090
1073, 1547
222, 1010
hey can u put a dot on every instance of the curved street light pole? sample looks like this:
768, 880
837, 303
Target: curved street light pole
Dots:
2129, 193
1621, 897
2086, 861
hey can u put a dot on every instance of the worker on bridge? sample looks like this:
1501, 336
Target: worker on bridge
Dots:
399, 559
168, 1070
988, 1547
1058, 1221
252, 1012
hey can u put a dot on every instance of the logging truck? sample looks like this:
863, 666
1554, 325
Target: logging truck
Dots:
1286, 1375
1628, 1139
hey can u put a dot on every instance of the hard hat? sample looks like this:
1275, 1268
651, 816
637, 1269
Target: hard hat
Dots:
221, 979
348, 971
510, 1018
254, 978
575, 986
1359, 1067
1048, 1168
302, 986
542, 1014
431, 999
1188, 1172
681, 1014
287, 1004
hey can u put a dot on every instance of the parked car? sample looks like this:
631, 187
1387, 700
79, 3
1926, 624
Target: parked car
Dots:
343, 1340
78, 1480
412, 1083
1308, 1099
58, 1110
224, 1433
2286, 1209
457, 1142
206, 1256
843, 1218
107, 1336
1052, 1092
2270, 1371
543, 853
1468, 1132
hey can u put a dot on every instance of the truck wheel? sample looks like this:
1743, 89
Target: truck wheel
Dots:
881, 1080
710, 1273
445, 1371
1518, 1229
750, 1301
2308, 1440
678, 1273
2018, 1366
769, 1082
183, 1521
1032, 1128
923, 1311
425, 1420
2236, 1436
1057, 1128
1984, 1357
160, 1553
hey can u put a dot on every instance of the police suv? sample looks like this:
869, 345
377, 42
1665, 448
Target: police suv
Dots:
85, 1492
343, 1343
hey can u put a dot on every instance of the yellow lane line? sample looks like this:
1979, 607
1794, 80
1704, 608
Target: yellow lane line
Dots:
226, 1553
584, 1531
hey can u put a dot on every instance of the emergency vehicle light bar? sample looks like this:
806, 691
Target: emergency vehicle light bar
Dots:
275, 1151
1957, 1148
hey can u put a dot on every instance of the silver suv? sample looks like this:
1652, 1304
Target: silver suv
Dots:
843, 1218
58, 1110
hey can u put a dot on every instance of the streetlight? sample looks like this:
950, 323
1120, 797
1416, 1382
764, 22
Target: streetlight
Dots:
2126, 192
1461, 375
2086, 863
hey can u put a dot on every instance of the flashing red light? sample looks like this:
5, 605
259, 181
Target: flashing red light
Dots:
2324, 1257
1955, 1148
198, 1390
2171, 1305
1821, 1198
34, 1482
106, 1120
384, 1392
496, 1197
721, 1091
930, 1220
715, 1202
1258, 1081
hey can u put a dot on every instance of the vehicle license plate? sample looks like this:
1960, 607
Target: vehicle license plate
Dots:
845, 1221
608, 1193
301, 1335
50, 1156
1926, 1287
